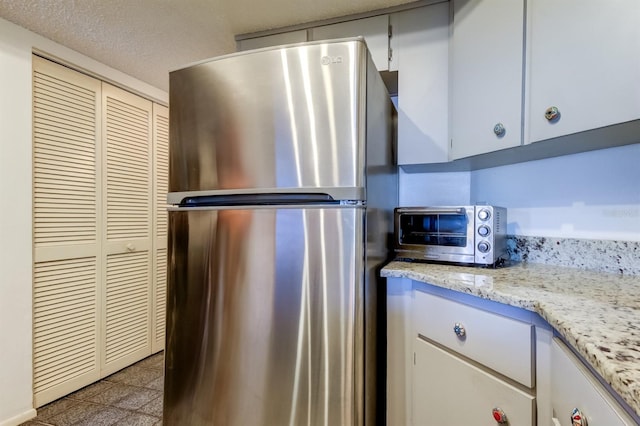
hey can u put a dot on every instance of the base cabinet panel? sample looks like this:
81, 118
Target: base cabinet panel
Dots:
449, 391
574, 387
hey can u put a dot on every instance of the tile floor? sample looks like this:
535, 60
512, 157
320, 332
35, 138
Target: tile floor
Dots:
131, 397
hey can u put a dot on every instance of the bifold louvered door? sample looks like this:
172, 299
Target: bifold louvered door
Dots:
100, 164
66, 230
161, 187
127, 223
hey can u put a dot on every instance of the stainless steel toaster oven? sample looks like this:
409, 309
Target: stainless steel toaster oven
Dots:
456, 234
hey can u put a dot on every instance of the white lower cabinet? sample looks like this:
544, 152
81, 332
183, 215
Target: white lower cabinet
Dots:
470, 365
453, 358
448, 390
573, 387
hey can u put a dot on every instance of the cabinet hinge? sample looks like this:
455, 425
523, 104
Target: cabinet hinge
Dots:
414, 358
390, 29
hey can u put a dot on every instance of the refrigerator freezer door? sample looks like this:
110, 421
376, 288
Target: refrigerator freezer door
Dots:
263, 309
287, 117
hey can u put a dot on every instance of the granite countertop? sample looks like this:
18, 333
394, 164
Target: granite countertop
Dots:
597, 313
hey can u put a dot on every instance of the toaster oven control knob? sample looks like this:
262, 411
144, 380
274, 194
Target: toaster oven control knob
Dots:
484, 230
484, 214
483, 247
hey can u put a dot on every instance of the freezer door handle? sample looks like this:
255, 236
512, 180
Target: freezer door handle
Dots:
256, 199
237, 197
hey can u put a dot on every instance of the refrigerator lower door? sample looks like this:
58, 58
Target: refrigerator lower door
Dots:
264, 317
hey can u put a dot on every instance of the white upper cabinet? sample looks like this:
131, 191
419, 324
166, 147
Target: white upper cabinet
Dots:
486, 76
272, 40
375, 31
583, 59
420, 54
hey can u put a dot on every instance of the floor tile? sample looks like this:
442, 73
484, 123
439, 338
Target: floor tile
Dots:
91, 390
104, 417
154, 361
157, 384
55, 408
135, 376
137, 398
113, 394
137, 419
78, 413
153, 408
130, 397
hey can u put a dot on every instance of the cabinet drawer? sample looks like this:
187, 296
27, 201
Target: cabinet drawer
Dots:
500, 343
450, 391
573, 386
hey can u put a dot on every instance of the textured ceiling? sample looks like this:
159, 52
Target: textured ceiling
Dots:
147, 38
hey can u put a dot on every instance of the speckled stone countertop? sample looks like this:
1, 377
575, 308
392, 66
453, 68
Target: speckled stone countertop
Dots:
597, 313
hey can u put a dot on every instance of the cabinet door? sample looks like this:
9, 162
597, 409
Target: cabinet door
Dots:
583, 59
375, 31
573, 386
66, 230
508, 351
127, 243
420, 45
487, 72
272, 40
449, 391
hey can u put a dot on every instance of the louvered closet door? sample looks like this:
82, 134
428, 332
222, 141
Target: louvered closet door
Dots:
66, 231
127, 244
161, 183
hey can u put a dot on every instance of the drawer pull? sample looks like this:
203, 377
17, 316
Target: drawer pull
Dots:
577, 418
459, 330
499, 416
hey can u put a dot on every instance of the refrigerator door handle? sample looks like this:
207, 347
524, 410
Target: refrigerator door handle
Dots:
187, 198
259, 199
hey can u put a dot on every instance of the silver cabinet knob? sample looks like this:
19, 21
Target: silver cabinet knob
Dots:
499, 416
459, 330
552, 113
577, 418
499, 129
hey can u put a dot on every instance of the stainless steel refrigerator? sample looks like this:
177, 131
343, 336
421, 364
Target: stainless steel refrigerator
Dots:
282, 184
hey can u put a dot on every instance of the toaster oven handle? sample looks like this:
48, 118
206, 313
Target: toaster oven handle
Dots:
433, 210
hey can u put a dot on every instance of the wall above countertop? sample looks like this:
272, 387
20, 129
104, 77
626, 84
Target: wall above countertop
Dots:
592, 195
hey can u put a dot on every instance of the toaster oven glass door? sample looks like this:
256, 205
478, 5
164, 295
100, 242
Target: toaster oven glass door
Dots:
435, 229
